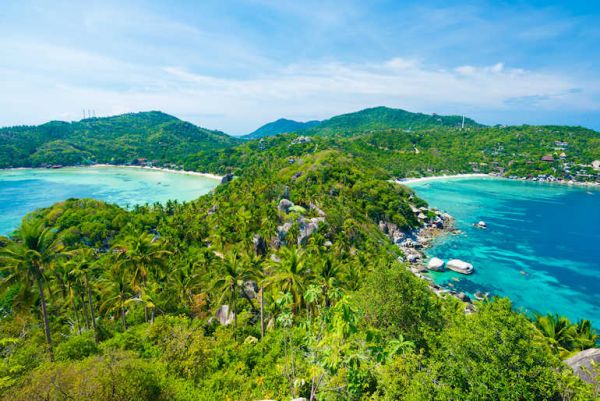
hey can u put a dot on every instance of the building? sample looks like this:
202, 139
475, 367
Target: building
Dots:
547, 158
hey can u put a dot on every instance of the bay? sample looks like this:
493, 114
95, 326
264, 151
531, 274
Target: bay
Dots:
541, 248
24, 190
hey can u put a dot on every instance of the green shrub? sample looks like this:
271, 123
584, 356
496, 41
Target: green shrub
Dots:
77, 347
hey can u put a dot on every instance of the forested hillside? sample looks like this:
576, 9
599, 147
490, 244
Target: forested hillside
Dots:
506, 151
117, 140
367, 120
380, 118
280, 126
102, 303
281, 282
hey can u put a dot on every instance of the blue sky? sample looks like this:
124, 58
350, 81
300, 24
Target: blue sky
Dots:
235, 65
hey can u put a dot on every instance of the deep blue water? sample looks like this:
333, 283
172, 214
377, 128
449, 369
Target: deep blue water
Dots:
22, 191
541, 248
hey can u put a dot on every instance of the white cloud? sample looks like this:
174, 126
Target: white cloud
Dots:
302, 91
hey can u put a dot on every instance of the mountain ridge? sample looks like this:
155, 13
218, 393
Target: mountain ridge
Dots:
369, 119
280, 126
115, 139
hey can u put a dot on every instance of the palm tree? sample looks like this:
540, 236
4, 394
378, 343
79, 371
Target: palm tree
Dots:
231, 280
558, 330
586, 336
311, 297
141, 255
328, 276
116, 293
254, 267
26, 260
185, 281
69, 287
291, 274
82, 262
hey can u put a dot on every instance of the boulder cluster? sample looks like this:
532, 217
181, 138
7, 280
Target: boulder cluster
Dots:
306, 225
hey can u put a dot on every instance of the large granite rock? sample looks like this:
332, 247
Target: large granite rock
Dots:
460, 266
283, 229
259, 244
581, 363
227, 178
436, 264
307, 228
251, 289
223, 315
285, 205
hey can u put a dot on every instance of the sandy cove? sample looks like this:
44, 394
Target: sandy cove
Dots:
166, 170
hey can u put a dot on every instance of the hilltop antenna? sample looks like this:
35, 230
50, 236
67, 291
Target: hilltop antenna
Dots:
83, 113
463, 122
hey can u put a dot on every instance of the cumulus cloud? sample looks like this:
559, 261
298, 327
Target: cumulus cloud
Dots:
268, 59
305, 91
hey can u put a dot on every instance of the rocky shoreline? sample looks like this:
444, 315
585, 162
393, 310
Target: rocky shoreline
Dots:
436, 223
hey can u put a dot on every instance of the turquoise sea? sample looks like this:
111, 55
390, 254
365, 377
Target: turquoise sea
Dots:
24, 190
541, 248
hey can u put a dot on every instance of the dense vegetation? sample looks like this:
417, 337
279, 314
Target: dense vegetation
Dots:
280, 126
277, 284
382, 118
367, 120
504, 150
102, 303
121, 139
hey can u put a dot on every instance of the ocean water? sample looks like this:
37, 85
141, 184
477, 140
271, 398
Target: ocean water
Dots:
541, 248
24, 190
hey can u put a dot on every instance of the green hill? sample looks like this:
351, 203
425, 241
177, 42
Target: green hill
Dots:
119, 139
284, 282
367, 120
279, 127
382, 118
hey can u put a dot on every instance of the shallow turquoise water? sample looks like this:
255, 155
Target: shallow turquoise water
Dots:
22, 191
541, 248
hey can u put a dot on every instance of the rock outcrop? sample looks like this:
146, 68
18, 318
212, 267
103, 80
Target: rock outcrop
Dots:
460, 266
250, 289
285, 205
227, 178
259, 244
223, 315
308, 227
581, 363
436, 264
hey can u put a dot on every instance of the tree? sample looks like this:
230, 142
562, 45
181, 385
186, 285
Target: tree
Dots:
291, 274
80, 265
116, 293
231, 280
565, 336
560, 332
141, 254
28, 258
328, 276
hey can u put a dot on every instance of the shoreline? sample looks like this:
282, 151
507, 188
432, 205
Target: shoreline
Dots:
106, 165
163, 169
414, 180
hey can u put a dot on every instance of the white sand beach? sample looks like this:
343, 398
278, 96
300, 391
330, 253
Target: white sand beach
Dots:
167, 170
441, 177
